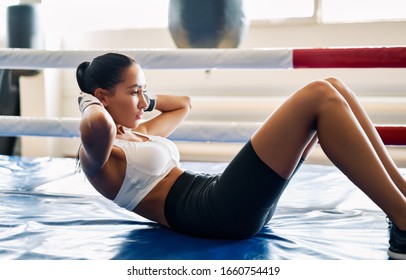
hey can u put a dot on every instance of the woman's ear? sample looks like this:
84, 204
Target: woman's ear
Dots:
100, 94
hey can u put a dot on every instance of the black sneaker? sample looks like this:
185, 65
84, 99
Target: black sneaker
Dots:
390, 223
397, 242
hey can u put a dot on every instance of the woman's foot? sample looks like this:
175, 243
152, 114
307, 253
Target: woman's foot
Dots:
397, 242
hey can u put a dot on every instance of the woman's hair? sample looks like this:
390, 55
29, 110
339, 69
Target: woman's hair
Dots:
105, 72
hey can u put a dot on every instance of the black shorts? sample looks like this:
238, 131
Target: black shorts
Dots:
233, 205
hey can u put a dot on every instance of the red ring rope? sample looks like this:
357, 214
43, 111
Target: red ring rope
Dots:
385, 57
392, 135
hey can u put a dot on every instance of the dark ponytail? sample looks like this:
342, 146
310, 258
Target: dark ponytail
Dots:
80, 75
105, 72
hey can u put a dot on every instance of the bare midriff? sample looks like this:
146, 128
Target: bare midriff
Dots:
152, 206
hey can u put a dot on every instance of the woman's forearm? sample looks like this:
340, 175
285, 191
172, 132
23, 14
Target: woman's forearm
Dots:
167, 103
174, 110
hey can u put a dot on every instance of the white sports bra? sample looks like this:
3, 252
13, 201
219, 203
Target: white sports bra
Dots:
147, 164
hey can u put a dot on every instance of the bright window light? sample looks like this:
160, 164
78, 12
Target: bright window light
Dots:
363, 10
89, 15
61, 16
278, 9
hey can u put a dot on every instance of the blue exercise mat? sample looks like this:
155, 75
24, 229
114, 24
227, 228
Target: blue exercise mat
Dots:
49, 212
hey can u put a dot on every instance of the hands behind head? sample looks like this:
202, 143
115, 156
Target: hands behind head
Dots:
85, 100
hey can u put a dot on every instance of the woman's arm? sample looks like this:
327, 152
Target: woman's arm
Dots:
174, 110
97, 132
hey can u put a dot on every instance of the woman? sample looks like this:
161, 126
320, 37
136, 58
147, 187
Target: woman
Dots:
131, 162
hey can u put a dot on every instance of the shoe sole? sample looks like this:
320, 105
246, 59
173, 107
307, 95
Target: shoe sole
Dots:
396, 256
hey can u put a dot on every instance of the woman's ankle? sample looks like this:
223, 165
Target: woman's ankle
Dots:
401, 226
400, 222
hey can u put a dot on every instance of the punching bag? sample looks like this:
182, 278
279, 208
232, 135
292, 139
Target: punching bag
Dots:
23, 31
207, 23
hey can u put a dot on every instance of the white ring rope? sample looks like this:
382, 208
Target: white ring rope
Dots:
231, 132
69, 127
360, 57
35, 126
153, 58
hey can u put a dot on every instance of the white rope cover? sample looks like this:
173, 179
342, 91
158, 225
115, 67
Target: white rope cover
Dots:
34, 126
235, 132
69, 127
153, 58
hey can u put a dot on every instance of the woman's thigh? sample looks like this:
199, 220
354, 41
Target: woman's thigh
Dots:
284, 136
245, 194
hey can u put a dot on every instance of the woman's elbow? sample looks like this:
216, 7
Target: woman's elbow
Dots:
187, 102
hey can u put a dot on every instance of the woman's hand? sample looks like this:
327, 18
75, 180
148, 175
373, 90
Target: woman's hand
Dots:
85, 100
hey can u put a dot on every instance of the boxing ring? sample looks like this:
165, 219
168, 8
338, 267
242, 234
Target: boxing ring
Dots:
51, 212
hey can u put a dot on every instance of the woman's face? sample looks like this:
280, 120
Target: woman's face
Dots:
127, 103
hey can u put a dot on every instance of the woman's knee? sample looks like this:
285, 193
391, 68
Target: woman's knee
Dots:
335, 82
341, 87
322, 92
319, 86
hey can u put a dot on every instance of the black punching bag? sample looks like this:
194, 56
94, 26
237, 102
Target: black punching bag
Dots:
23, 31
207, 23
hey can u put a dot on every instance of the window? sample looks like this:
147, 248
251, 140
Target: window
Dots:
362, 10
326, 11
86, 15
279, 9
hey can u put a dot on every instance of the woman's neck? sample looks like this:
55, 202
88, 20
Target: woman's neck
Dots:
120, 129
